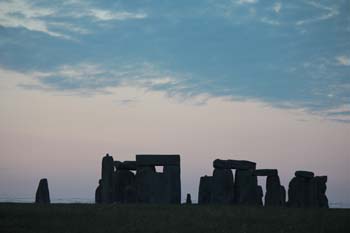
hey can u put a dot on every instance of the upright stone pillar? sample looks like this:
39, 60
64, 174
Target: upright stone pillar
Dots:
42, 193
107, 179
246, 187
98, 193
275, 193
222, 186
205, 189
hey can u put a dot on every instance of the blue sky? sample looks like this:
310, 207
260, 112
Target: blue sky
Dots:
267, 81
288, 54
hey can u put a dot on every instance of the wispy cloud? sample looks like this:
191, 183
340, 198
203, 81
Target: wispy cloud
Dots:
246, 1
270, 21
277, 7
52, 19
343, 60
330, 12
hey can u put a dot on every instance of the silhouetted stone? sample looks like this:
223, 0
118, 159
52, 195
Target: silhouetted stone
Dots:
126, 165
246, 191
275, 193
42, 193
107, 179
154, 187
123, 179
98, 193
188, 199
266, 172
222, 187
298, 192
234, 164
259, 196
305, 174
130, 194
158, 160
317, 195
205, 190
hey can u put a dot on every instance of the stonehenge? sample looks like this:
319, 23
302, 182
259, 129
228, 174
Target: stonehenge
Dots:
139, 182
233, 182
42, 195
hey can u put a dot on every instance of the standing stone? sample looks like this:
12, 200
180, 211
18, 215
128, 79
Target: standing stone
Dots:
260, 195
145, 182
173, 183
42, 193
222, 186
317, 195
98, 193
246, 191
123, 179
107, 179
275, 193
130, 195
299, 189
188, 199
205, 190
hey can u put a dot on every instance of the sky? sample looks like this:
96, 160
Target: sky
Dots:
266, 81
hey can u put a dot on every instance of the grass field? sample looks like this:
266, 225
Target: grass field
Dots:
66, 218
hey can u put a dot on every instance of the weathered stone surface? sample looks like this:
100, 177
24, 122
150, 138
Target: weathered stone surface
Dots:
126, 165
222, 189
42, 193
275, 193
188, 199
305, 174
123, 179
158, 160
266, 172
246, 191
234, 164
205, 190
98, 193
107, 179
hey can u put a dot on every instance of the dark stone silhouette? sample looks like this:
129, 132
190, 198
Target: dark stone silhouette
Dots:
98, 193
107, 179
317, 195
188, 199
305, 190
222, 186
260, 195
246, 187
126, 165
123, 179
154, 187
205, 190
234, 164
275, 192
304, 174
266, 172
42, 195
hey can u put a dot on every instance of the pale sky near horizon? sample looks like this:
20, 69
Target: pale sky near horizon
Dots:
267, 81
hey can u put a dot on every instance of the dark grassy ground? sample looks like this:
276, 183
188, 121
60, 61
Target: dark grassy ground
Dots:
66, 218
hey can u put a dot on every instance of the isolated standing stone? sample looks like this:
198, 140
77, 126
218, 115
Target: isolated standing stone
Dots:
42, 193
188, 199
98, 193
222, 187
107, 179
205, 190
